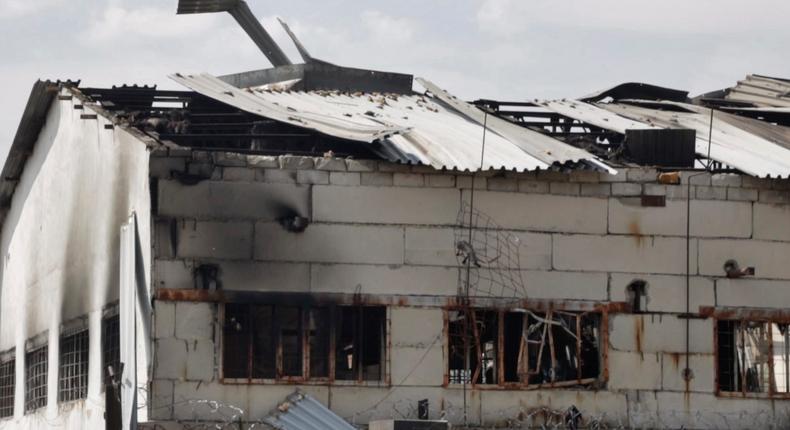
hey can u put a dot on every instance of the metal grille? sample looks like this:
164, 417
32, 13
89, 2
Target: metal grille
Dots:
7, 384
36, 364
111, 346
73, 376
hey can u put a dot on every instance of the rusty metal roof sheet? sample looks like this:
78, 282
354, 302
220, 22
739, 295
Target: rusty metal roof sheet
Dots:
762, 91
302, 412
433, 129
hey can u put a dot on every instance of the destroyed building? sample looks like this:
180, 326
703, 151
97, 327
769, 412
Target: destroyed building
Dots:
190, 259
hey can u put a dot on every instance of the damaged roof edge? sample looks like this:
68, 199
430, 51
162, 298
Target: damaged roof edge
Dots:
30, 126
638, 90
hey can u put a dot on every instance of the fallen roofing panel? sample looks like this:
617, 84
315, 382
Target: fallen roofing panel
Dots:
439, 131
594, 115
302, 412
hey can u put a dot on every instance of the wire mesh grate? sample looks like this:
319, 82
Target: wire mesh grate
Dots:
36, 364
7, 384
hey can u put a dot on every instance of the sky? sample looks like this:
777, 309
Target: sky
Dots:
503, 49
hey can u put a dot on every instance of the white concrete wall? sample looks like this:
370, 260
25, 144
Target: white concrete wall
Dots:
60, 248
385, 229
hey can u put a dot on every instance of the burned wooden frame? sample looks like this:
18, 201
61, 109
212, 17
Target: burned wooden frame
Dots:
520, 348
299, 343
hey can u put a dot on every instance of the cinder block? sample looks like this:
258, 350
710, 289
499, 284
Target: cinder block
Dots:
584, 176
564, 188
726, 180
702, 366
502, 184
174, 274
263, 161
659, 255
625, 365
553, 176
626, 189
465, 182
238, 174
532, 186
203, 169
276, 176
330, 164
195, 321
654, 190
164, 320
659, 333
768, 258
695, 178
296, 162
711, 218
754, 182
706, 411
361, 165
419, 366
367, 279
710, 193
171, 359
255, 276
556, 285
642, 175
230, 159
200, 360
408, 180
776, 197
426, 169
386, 166
377, 179
677, 192
161, 399
432, 206
742, 194
665, 293
772, 222
329, 243
227, 200
514, 250
312, 177
543, 212
596, 190
753, 293
350, 179
628, 216
416, 327
620, 176
440, 181
210, 239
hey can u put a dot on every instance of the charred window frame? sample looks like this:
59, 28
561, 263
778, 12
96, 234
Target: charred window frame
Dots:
286, 343
7, 383
36, 371
521, 348
73, 366
753, 358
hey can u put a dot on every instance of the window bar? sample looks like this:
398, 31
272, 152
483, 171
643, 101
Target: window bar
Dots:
550, 319
500, 358
787, 359
359, 340
250, 342
478, 349
540, 351
741, 344
523, 352
305, 329
332, 342
579, 347
278, 344
771, 372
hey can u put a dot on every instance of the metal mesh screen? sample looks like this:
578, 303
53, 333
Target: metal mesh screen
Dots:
111, 346
73, 375
7, 383
36, 363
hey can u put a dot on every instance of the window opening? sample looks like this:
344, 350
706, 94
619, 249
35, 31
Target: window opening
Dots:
753, 357
73, 369
111, 347
36, 364
7, 385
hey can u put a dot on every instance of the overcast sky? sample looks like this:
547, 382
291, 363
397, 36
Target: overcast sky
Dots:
506, 49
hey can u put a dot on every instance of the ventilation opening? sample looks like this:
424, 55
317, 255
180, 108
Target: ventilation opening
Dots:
637, 295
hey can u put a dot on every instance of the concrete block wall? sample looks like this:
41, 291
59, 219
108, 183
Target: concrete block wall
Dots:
385, 229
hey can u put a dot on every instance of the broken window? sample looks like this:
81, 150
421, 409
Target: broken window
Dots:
73, 369
301, 343
36, 363
7, 385
521, 347
111, 347
753, 357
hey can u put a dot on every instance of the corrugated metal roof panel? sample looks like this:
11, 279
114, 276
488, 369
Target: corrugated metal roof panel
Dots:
302, 412
436, 131
755, 150
593, 115
762, 91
